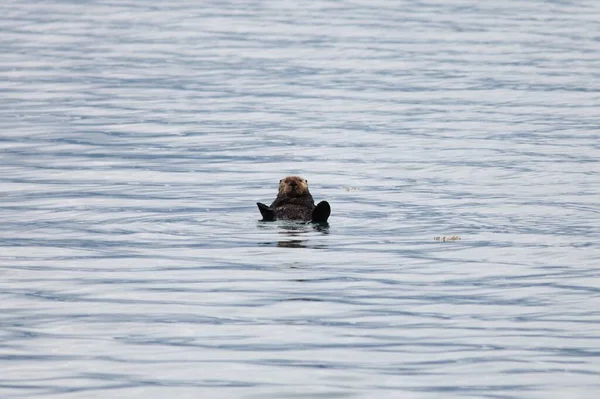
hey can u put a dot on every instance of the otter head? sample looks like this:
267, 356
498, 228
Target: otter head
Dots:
293, 186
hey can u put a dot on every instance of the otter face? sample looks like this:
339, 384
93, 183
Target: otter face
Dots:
293, 186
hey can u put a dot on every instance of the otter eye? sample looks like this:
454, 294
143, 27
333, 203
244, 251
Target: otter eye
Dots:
281, 181
305, 181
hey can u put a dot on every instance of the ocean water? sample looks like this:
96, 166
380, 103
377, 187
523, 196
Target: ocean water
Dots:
457, 142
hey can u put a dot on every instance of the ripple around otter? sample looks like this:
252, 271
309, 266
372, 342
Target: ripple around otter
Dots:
137, 138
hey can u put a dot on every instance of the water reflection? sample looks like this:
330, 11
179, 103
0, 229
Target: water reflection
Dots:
296, 232
292, 243
295, 235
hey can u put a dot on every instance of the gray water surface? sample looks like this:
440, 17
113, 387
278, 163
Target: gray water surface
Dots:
136, 138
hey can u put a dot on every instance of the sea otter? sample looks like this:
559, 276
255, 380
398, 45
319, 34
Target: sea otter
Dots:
294, 202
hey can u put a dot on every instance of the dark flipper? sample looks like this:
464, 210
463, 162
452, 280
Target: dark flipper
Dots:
321, 212
267, 213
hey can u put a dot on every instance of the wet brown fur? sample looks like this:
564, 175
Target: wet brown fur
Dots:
292, 187
294, 202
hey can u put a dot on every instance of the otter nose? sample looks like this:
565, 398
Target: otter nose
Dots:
293, 183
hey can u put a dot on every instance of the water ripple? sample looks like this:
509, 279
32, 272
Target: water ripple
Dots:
137, 138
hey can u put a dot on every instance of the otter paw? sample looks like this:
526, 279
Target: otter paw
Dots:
321, 212
267, 213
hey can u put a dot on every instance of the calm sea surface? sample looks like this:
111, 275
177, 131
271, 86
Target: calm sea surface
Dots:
137, 136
